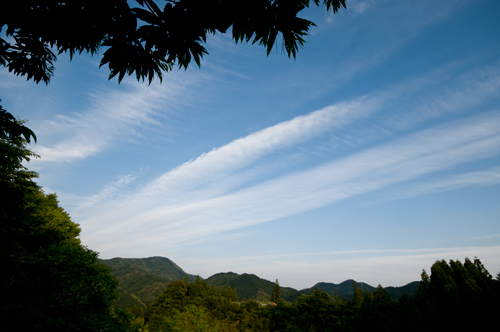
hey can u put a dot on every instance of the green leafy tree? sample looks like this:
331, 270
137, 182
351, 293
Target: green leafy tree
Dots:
48, 280
193, 319
173, 297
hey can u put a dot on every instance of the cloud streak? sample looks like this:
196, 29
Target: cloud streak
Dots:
415, 155
345, 125
189, 202
113, 115
234, 165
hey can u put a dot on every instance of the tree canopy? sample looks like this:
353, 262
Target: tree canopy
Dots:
145, 40
48, 280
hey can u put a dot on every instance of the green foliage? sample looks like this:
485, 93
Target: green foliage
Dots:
14, 176
126, 300
276, 294
194, 319
48, 280
357, 301
171, 301
143, 279
159, 266
197, 306
146, 40
316, 312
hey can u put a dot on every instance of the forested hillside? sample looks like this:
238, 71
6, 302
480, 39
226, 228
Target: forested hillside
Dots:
143, 279
452, 292
250, 287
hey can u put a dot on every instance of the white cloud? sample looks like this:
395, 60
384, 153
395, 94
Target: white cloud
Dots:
82, 136
218, 163
113, 115
245, 160
235, 185
404, 159
221, 170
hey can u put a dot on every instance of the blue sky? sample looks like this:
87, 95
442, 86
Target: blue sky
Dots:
370, 156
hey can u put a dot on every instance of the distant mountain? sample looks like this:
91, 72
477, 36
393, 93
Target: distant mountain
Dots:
397, 292
250, 287
345, 289
143, 279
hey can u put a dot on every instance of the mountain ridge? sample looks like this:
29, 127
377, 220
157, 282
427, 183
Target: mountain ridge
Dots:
143, 279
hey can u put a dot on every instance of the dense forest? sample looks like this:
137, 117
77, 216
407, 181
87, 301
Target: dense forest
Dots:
452, 292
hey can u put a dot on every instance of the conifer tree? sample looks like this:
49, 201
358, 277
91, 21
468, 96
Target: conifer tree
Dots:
276, 294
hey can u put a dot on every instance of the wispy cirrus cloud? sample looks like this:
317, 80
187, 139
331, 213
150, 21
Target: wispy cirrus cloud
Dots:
488, 177
233, 165
427, 151
112, 115
216, 192
346, 125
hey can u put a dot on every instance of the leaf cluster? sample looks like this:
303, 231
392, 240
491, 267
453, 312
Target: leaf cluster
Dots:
146, 40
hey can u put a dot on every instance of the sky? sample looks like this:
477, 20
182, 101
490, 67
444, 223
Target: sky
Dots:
370, 156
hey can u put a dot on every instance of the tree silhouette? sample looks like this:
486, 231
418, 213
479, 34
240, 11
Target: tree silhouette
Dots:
145, 40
